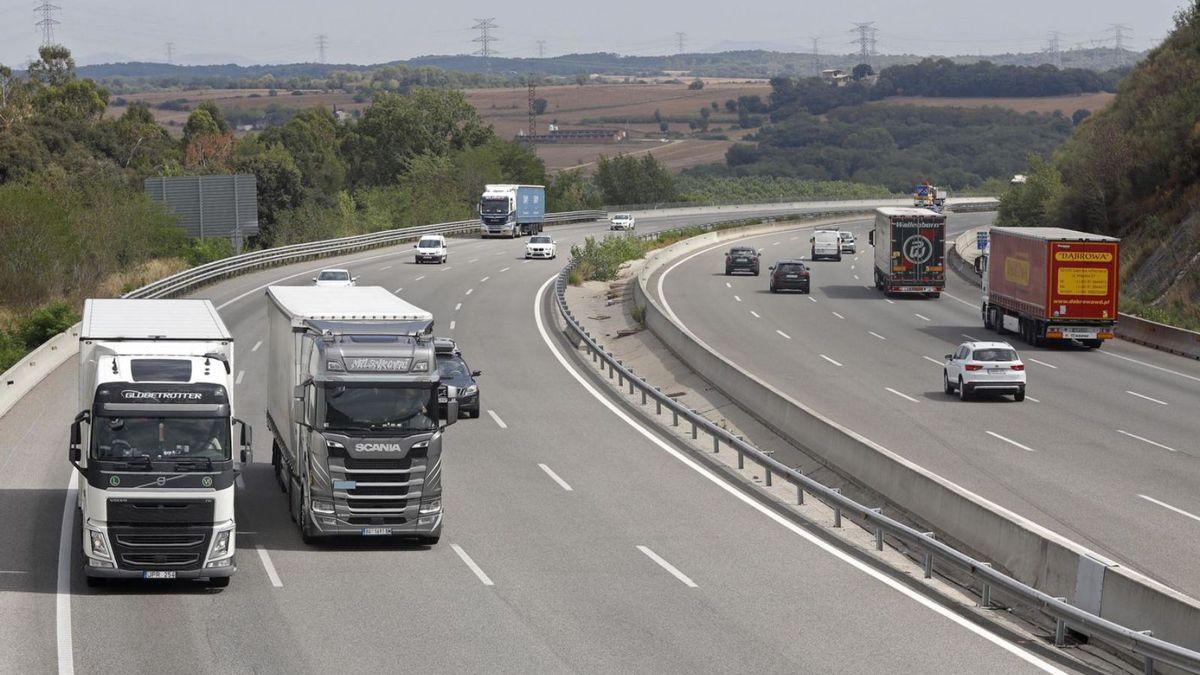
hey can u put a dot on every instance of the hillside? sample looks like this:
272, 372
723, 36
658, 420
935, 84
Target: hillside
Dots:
1133, 170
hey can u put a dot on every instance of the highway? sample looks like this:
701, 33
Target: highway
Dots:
575, 540
1103, 450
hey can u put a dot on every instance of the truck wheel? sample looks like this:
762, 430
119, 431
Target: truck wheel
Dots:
277, 464
219, 582
987, 318
946, 386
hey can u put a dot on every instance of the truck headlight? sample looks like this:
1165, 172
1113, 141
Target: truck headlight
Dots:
320, 506
99, 545
431, 506
420, 367
220, 544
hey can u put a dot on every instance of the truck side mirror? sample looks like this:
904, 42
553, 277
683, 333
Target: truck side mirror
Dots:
871, 237
247, 441
451, 406
476, 373
979, 265
298, 392
75, 452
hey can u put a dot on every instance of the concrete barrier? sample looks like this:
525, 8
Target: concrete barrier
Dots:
1160, 336
29, 371
1020, 547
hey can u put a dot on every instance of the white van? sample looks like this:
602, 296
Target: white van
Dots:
826, 244
431, 248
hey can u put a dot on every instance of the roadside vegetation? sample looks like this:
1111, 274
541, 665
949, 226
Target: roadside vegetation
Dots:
1132, 170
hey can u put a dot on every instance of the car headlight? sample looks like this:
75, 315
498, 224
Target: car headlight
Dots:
430, 506
221, 544
99, 545
470, 391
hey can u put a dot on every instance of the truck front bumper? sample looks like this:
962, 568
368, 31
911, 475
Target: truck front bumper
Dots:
321, 525
113, 573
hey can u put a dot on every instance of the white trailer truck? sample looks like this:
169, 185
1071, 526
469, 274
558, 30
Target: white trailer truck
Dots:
352, 396
156, 397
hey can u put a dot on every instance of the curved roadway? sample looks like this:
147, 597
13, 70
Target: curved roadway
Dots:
575, 541
1103, 450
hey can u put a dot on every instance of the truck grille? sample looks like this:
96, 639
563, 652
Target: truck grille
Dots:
151, 547
384, 488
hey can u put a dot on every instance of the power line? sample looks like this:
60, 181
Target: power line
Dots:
1118, 31
532, 114
680, 40
1054, 47
485, 39
866, 40
47, 22
816, 44
541, 49
322, 43
170, 46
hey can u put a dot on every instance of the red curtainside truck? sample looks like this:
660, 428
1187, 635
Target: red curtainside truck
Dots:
1048, 283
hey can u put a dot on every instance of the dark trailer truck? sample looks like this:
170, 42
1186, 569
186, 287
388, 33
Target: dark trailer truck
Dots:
352, 401
910, 246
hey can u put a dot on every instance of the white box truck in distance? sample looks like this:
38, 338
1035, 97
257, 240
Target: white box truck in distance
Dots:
352, 401
157, 462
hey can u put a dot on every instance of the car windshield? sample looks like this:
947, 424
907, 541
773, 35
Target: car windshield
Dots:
334, 275
539, 240
452, 368
379, 408
742, 251
494, 206
847, 236
791, 268
994, 354
122, 439
429, 243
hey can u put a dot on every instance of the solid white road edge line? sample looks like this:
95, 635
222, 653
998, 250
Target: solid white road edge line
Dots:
1167, 506
496, 418
1146, 440
1010, 441
730, 489
687, 581
902, 395
269, 566
471, 564
62, 598
555, 477
1152, 400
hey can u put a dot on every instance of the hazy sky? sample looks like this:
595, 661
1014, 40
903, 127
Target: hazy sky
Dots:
372, 31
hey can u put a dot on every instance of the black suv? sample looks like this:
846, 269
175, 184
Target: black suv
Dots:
741, 259
453, 371
789, 275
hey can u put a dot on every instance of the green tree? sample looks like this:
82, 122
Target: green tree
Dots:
626, 179
278, 179
862, 70
313, 138
696, 84
539, 106
199, 123
1034, 202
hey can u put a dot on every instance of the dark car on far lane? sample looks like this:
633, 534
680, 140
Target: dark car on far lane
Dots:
790, 275
741, 259
453, 371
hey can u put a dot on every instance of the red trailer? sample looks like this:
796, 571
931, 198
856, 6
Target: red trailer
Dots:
1049, 283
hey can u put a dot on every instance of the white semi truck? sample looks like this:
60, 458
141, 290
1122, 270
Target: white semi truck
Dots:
153, 441
352, 401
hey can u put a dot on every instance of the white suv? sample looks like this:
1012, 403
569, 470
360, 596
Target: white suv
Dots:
334, 277
984, 367
431, 248
541, 246
621, 221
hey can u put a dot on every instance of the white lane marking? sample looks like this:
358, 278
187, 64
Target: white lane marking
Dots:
755, 314
783, 522
959, 300
970, 337
812, 299
876, 335
471, 564
1151, 365
1043, 363
470, 291
240, 483
668, 567
526, 262
472, 260
240, 375
1030, 398
852, 267
505, 269
855, 276
830, 360
921, 316
445, 269
385, 267
496, 418
1146, 440
775, 244
483, 280
269, 566
783, 334
458, 307
62, 597
838, 315
902, 395
794, 238
1167, 506
399, 289
555, 477
889, 301
451, 324
728, 285
738, 298
1152, 400
932, 360
1010, 441
256, 346
419, 278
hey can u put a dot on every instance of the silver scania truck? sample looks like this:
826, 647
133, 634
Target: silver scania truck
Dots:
352, 397
156, 398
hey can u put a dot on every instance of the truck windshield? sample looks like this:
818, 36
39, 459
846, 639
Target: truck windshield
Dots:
120, 439
380, 408
494, 207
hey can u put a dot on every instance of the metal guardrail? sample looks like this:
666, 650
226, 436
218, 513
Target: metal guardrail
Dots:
1140, 643
202, 274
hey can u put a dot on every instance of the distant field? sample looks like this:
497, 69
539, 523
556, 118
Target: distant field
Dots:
1046, 104
506, 110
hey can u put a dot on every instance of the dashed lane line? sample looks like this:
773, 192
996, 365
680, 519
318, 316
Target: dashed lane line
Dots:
471, 565
902, 395
1010, 441
556, 478
1146, 440
668, 567
496, 418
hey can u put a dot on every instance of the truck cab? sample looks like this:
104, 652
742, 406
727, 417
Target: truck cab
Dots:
512, 210
153, 442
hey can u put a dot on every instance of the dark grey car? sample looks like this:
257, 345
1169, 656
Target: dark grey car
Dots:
741, 259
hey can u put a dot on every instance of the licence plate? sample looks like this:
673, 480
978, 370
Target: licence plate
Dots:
741, 260
1078, 334
376, 531
997, 371
791, 276
159, 574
